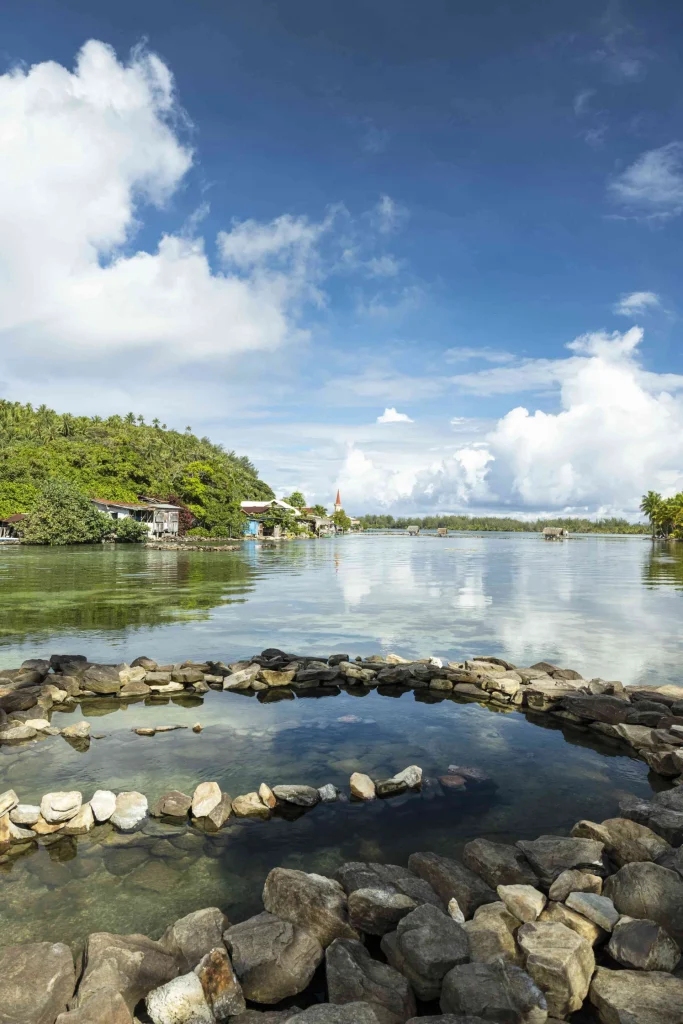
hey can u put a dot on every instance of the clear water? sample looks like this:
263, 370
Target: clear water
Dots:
606, 606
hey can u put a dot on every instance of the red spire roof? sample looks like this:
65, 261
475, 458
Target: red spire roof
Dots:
338, 501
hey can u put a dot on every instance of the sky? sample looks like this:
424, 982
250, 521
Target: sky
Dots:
428, 253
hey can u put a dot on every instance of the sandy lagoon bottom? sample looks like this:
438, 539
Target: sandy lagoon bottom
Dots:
542, 778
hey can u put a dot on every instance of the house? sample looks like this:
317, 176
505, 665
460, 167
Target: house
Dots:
256, 510
160, 516
10, 528
321, 526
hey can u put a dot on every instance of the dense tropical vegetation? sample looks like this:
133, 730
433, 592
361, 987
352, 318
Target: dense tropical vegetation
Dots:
121, 458
499, 523
665, 514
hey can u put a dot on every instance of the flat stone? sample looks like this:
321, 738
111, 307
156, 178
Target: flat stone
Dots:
549, 856
242, 679
561, 914
424, 947
187, 676
37, 980
561, 963
250, 805
598, 708
573, 880
103, 805
310, 901
193, 936
491, 934
166, 688
448, 878
362, 786
649, 892
81, 823
643, 946
377, 911
637, 997
353, 976
300, 796
273, 959
44, 828
222, 990
498, 863
59, 807
134, 690
206, 796
523, 901
25, 814
598, 909
8, 801
17, 733
145, 730
625, 840
130, 811
173, 804
180, 1001
499, 992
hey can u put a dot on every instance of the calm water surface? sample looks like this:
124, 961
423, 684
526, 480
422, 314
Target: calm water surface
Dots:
606, 606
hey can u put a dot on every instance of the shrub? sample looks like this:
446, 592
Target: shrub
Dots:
63, 515
130, 531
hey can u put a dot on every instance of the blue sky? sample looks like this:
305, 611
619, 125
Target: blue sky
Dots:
353, 241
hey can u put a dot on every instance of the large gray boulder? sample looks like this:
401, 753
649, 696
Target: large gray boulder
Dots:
102, 679
195, 935
549, 856
650, 892
666, 821
37, 981
391, 877
498, 863
353, 976
597, 708
491, 934
313, 902
102, 1003
448, 878
378, 911
643, 946
499, 992
561, 963
272, 958
637, 997
625, 840
300, 796
131, 965
424, 947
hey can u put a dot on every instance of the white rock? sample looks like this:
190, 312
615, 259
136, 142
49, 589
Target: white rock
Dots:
205, 798
20, 834
455, 911
39, 724
181, 1001
103, 804
77, 731
412, 776
56, 807
328, 793
25, 814
242, 679
523, 901
8, 800
131, 810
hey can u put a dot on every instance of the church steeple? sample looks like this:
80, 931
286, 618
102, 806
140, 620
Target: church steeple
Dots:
338, 504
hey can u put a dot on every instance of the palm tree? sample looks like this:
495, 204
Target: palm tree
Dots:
651, 505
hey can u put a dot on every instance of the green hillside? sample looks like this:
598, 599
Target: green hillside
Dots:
119, 458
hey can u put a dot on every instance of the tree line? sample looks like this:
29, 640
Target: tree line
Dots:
665, 514
500, 523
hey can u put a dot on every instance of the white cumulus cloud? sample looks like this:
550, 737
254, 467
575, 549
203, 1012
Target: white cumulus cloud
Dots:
392, 416
636, 303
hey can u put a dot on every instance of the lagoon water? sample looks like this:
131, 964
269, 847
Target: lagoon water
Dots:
608, 606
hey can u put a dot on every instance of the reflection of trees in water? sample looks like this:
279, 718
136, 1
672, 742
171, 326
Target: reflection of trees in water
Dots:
113, 588
664, 567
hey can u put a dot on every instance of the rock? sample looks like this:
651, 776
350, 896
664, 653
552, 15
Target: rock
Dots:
180, 1001
353, 976
268, 1016
649, 892
328, 793
311, 901
145, 731
549, 856
377, 911
390, 877
625, 841
600, 708
222, 990
130, 811
449, 878
273, 678
102, 679
250, 805
187, 676
455, 912
598, 909
8, 801
409, 778
60, 807
37, 980
77, 731
267, 796
25, 814
131, 965
643, 946
561, 914
634, 997
158, 678
43, 828
103, 805
197, 727
195, 935
272, 958
148, 664
103, 1007
81, 823
40, 725
498, 863
242, 679
324, 1013
17, 733
499, 992
574, 881
300, 796
17, 834
173, 804
217, 818
424, 947
362, 786
523, 901
206, 796
135, 689
560, 962
491, 934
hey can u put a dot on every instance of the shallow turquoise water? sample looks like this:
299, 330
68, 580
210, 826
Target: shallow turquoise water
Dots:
608, 607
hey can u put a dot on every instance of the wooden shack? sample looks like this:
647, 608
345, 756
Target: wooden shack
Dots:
554, 533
